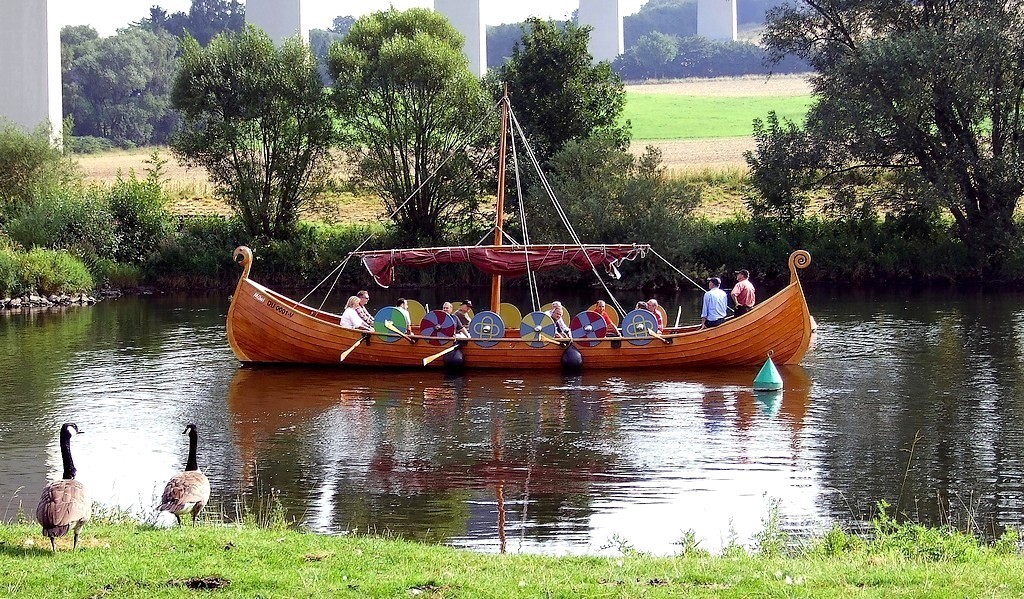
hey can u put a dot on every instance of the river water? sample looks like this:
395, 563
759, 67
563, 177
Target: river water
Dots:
911, 398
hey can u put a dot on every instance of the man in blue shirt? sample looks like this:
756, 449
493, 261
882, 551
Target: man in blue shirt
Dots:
715, 305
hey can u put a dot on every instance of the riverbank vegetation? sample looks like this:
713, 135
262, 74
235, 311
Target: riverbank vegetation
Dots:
120, 557
935, 204
122, 235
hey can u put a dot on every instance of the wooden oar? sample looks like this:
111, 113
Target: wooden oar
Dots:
446, 350
659, 336
546, 339
345, 353
679, 314
391, 326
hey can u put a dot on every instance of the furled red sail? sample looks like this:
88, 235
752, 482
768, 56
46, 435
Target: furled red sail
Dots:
504, 260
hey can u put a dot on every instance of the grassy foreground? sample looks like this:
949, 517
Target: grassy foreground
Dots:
127, 560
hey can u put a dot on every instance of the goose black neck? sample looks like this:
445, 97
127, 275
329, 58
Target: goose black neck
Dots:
65, 454
193, 441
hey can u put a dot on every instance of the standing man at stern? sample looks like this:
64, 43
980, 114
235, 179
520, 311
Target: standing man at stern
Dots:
743, 292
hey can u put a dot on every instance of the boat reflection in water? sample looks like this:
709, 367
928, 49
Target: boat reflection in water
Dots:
503, 462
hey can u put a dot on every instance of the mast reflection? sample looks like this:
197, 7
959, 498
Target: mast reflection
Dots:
478, 456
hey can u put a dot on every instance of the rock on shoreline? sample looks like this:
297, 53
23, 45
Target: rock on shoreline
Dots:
42, 301
30, 301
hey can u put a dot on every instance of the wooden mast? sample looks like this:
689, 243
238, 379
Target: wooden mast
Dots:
499, 221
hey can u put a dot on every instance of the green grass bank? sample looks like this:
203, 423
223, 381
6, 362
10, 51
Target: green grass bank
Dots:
128, 560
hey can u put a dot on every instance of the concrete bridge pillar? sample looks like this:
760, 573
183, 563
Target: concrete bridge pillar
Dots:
279, 18
467, 16
605, 17
716, 19
30, 78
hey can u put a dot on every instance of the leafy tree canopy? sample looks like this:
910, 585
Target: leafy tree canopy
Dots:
559, 94
930, 91
413, 110
257, 119
118, 87
342, 24
204, 20
655, 50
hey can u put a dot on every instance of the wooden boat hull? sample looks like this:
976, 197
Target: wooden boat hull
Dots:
264, 326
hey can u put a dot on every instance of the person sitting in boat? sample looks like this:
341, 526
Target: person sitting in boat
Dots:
460, 329
364, 297
556, 312
641, 305
403, 307
462, 316
743, 292
350, 317
601, 308
652, 307
715, 306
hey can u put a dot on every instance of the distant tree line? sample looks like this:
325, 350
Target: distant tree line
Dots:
662, 56
117, 89
661, 42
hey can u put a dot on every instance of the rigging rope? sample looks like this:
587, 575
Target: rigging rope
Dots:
681, 273
672, 266
548, 189
531, 277
558, 208
337, 269
472, 135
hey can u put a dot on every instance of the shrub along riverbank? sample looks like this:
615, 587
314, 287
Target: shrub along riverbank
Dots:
195, 253
858, 253
123, 558
59, 235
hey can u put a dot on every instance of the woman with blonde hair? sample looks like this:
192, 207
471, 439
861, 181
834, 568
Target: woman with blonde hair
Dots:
350, 317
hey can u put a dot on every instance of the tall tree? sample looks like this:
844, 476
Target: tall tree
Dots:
118, 87
404, 90
930, 90
558, 93
204, 20
654, 50
257, 119
342, 24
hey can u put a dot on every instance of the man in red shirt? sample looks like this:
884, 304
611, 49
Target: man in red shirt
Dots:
602, 309
743, 292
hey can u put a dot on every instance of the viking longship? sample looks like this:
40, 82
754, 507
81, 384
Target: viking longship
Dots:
264, 326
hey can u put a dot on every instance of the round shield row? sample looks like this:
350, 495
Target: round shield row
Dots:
512, 317
487, 328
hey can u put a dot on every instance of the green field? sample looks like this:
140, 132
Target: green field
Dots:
669, 116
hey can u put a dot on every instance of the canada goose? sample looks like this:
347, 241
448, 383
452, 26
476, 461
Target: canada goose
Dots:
187, 491
64, 503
